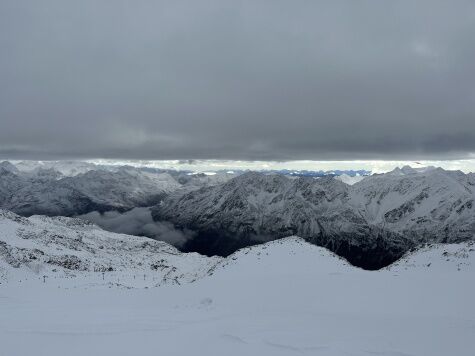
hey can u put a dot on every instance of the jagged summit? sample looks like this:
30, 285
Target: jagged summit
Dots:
403, 171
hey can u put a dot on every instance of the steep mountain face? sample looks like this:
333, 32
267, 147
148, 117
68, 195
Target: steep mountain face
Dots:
48, 192
254, 207
433, 205
10, 182
371, 223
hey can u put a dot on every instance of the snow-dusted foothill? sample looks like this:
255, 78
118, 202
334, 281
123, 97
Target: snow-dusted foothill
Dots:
57, 248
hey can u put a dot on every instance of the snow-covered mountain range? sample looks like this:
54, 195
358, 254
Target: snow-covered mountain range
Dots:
75, 188
371, 220
371, 223
49, 192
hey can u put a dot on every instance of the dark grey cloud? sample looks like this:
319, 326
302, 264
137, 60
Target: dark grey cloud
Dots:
237, 79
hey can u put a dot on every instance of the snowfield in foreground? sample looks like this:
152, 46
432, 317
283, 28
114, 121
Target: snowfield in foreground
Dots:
285, 297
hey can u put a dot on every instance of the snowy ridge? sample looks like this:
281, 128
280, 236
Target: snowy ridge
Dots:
293, 257
439, 258
59, 248
62, 247
289, 257
345, 178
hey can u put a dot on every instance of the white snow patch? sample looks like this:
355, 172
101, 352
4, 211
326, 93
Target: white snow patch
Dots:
345, 178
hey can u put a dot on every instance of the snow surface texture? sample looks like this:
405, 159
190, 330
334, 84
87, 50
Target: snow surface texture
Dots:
285, 297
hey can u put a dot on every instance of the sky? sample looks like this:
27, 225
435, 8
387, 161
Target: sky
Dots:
266, 81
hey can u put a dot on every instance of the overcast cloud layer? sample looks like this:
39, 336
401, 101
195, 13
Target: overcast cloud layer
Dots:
237, 79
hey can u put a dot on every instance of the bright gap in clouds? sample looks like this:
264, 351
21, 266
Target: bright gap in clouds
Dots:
467, 165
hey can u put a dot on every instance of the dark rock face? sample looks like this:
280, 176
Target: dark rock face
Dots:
70, 262
372, 250
218, 243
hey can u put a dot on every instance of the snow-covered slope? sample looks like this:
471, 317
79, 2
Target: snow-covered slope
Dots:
61, 247
438, 258
345, 178
280, 298
293, 258
290, 258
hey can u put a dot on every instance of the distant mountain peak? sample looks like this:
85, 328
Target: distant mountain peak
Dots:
8, 166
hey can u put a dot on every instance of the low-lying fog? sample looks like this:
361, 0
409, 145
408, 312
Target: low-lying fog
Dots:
139, 222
